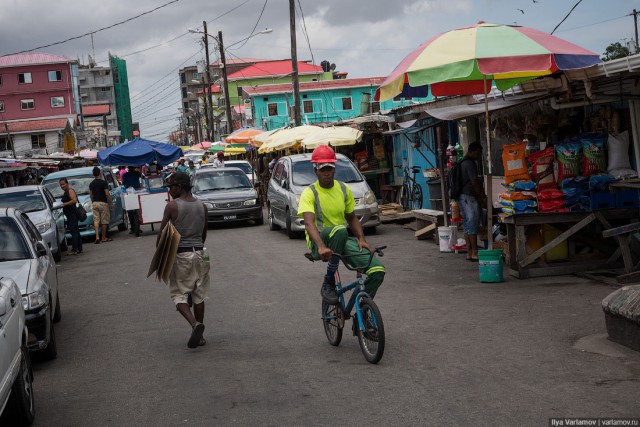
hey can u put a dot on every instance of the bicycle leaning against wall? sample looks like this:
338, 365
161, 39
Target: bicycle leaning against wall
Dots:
410, 195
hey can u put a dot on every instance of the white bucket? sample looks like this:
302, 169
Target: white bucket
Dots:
444, 237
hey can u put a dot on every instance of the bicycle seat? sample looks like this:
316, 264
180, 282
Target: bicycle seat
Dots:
415, 169
309, 257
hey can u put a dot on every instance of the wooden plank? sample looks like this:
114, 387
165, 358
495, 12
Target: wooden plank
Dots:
623, 243
621, 230
562, 268
555, 242
429, 212
560, 217
629, 278
511, 238
426, 232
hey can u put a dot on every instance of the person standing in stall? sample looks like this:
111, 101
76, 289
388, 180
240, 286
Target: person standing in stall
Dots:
131, 179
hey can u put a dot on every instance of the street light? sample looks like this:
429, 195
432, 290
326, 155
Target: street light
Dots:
224, 66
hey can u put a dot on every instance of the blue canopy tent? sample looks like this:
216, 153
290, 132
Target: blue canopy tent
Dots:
139, 152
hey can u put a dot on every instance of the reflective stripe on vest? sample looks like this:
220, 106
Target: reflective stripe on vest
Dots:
319, 222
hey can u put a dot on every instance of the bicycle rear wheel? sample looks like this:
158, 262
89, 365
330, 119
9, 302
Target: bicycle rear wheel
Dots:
332, 323
404, 196
416, 197
372, 338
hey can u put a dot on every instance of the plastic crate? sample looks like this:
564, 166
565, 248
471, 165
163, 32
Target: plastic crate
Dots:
602, 200
627, 199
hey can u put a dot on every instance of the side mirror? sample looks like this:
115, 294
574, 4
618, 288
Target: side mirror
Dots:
57, 205
41, 249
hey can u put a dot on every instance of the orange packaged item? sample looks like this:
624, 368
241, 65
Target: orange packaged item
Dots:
542, 168
518, 195
515, 162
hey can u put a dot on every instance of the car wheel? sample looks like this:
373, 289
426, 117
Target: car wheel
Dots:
63, 245
21, 407
51, 352
272, 224
260, 220
57, 255
292, 234
123, 226
57, 315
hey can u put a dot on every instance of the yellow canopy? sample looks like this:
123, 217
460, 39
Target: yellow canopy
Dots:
262, 138
334, 136
287, 138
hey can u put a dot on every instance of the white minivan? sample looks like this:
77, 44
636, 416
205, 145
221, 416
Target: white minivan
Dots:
292, 174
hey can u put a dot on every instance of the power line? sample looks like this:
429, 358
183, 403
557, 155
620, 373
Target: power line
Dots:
96, 31
255, 26
564, 19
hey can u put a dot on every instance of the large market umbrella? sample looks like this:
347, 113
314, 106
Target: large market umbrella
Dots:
243, 135
465, 61
138, 152
334, 136
61, 155
263, 137
204, 145
288, 138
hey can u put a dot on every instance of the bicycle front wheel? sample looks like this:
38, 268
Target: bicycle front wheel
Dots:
331, 320
372, 338
417, 196
404, 196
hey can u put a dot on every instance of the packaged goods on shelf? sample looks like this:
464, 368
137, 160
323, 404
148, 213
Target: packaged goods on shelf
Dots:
542, 168
568, 156
515, 162
594, 159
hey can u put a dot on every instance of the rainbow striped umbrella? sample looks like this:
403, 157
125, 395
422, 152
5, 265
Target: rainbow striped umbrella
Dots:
459, 62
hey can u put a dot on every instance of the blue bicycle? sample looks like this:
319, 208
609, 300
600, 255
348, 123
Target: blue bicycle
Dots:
367, 321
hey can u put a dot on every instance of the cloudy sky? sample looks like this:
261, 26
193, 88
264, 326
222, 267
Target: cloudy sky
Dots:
366, 38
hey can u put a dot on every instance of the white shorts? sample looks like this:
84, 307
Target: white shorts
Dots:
190, 275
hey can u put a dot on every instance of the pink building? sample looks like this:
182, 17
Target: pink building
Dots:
34, 88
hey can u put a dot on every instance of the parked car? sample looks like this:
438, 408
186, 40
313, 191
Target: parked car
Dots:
292, 174
228, 195
16, 377
42, 209
25, 258
240, 164
80, 179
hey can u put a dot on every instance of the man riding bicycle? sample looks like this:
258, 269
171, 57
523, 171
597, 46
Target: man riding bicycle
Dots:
327, 206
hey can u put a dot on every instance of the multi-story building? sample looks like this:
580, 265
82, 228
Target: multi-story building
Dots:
98, 105
39, 103
320, 101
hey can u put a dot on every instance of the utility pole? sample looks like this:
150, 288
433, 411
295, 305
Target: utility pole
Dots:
226, 84
207, 92
635, 24
294, 64
10, 139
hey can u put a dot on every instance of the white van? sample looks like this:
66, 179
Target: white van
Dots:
292, 174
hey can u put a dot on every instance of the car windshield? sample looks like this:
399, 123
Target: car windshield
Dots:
220, 180
13, 245
246, 167
79, 183
303, 173
26, 201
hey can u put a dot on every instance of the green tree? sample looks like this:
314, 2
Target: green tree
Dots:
615, 51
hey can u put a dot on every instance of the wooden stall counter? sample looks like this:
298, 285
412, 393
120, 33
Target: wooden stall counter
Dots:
588, 228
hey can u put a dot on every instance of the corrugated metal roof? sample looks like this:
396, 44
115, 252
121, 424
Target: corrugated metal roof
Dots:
314, 86
96, 110
274, 68
37, 125
31, 58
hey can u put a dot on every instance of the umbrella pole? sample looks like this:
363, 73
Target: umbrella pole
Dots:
489, 188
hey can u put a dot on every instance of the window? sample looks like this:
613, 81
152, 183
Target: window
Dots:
1, 106
24, 78
5, 143
38, 141
105, 89
346, 103
55, 76
60, 140
307, 106
197, 76
375, 107
183, 78
184, 92
0, 79
240, 91
27, 104
273, 109
57, 101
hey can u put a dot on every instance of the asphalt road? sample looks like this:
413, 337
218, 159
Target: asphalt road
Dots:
459, 352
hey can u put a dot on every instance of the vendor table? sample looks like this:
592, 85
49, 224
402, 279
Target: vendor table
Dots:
427, 220
576, 225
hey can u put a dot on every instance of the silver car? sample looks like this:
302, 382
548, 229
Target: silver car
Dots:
292, 174
27, 260
16, 377
43, 210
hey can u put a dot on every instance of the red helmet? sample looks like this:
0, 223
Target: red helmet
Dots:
323, 154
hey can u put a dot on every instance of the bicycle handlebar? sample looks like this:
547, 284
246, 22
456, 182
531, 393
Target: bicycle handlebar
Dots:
343, 258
